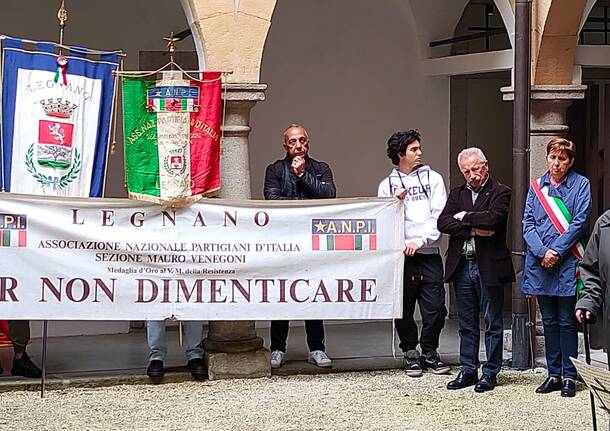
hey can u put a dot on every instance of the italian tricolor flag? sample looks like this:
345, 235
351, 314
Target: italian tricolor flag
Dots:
344, 242
172, 155
13, 237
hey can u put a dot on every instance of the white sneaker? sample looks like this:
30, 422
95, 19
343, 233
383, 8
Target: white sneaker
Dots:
319, 358
277, 358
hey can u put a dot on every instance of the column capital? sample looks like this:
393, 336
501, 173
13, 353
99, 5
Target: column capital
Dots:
237, 92
549, 92
549, 104
240, 98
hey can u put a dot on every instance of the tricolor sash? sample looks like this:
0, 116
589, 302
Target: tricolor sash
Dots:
561, 218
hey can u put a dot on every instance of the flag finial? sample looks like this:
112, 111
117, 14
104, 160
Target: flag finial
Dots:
171, 45
62, 16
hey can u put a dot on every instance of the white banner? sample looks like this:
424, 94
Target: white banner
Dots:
114, 259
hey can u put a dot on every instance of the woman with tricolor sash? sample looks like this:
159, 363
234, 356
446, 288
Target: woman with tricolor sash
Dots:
556, 215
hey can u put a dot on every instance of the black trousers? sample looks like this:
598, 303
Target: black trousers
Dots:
19, 331
314, 329
423, 283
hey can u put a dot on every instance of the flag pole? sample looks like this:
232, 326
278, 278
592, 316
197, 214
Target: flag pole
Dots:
62, 16
43, 377
3, 188
171, 47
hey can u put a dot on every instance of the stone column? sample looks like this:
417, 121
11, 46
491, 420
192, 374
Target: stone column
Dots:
233, 350
548, 118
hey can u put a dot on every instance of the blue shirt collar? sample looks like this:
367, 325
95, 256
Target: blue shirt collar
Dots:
567, 181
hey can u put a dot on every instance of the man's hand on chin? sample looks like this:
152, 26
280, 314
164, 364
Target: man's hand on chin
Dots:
298, 165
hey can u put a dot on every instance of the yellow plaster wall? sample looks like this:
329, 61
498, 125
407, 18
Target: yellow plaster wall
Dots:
233, 33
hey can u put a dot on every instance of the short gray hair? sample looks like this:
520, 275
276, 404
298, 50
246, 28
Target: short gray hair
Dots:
295, 126
466, 152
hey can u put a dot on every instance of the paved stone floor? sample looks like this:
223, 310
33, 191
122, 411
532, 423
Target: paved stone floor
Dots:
123, 357
377, 400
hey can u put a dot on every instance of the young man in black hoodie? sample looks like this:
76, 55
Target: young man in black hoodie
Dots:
298, 176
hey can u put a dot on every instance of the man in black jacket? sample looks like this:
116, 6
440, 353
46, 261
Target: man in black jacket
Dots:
298, 176
594, 301
479, 264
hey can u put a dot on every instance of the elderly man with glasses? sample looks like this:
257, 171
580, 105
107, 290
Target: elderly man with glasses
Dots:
479, 264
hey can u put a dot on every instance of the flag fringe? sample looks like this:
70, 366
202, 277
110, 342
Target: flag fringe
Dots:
176, 202
76, 49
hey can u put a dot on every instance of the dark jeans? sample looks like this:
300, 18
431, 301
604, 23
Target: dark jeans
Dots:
423, 283
560, 336
313, 328
472, 296
19, 331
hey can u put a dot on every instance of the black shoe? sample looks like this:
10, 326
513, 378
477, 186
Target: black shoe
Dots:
155, 369
413, 363
463, 380
432, 362
487, 383
25, 367
551, 384
197, 368
569, 388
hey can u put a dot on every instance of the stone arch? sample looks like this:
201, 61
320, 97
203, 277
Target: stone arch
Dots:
232, 34
473, 10
507, 12
187, 7
437, 19
556, 26
588, 7
434, 20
